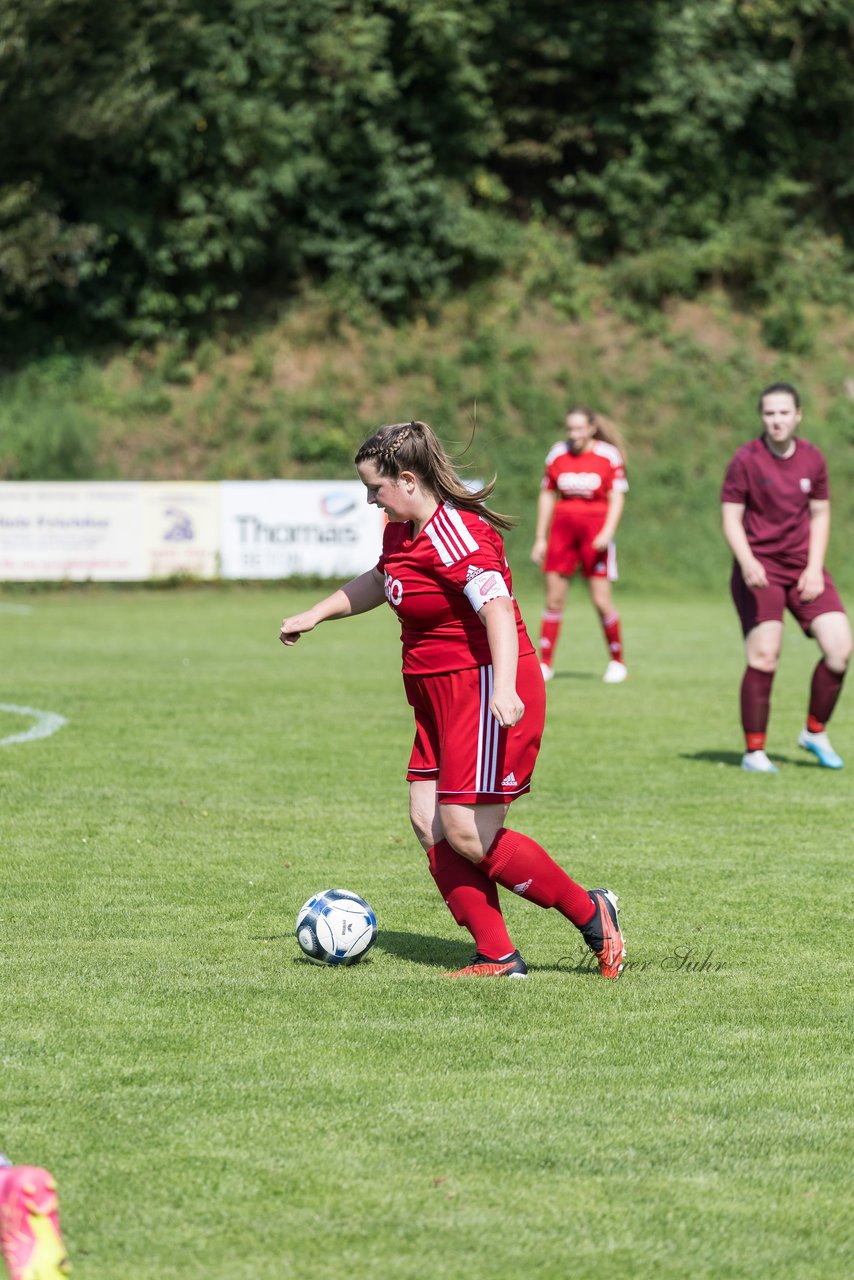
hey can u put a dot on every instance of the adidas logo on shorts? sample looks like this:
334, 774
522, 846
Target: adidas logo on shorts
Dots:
510, 780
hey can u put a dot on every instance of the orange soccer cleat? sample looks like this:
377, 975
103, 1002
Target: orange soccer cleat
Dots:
512, 966
29, 1225
603, 936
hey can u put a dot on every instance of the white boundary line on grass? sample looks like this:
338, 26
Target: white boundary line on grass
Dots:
16, 608
46, 723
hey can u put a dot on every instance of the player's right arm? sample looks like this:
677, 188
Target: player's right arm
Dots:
752, 570
545, 510
357, 596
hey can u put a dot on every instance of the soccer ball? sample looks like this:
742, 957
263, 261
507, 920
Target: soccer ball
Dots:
336, 927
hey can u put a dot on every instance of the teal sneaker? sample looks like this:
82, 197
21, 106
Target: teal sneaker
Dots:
819, 745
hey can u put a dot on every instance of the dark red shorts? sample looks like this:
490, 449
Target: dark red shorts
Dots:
459, 743
570, 543
768, 604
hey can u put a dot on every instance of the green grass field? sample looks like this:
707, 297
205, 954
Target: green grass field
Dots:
213, 1106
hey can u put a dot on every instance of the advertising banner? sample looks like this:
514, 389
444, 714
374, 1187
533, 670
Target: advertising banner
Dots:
135, 531
69, 531
101, 532
293, 528
180, 529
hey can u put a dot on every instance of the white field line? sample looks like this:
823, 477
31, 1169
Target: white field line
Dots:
46, 723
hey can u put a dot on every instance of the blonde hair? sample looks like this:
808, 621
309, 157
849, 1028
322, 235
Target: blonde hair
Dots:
603, 428
415, 447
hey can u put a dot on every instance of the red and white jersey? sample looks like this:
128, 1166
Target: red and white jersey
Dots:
438, 582
589, 476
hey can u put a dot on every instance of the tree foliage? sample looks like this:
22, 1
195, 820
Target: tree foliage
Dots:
163, 162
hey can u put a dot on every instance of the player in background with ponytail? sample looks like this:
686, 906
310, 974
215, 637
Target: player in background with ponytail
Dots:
474, 683
580, 504
776, 520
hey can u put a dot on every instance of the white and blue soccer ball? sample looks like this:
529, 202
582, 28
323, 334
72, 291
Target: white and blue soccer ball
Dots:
336, 927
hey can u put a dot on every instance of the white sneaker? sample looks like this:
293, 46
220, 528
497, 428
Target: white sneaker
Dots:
615, 673
819, 745
757, 762
548, 672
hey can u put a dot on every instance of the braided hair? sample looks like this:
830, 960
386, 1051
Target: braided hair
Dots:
415, 447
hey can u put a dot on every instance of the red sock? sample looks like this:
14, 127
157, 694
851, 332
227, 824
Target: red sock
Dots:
520, 864
755, 706
471, 898
549, 632
613, 637
825, 689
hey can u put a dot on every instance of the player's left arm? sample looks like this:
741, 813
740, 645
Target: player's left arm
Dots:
811, 581
499, 618
605, 536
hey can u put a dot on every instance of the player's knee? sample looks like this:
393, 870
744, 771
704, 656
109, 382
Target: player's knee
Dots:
837, 657
466, 845
765, 658
423, 827
464, 839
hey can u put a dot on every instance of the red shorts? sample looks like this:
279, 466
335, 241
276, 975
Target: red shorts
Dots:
459, 743
574, 527
767, 604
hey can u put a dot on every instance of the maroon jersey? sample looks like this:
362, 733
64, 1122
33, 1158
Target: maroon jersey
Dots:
587, 477
776, 493
438, 582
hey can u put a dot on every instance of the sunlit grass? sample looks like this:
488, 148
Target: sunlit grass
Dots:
214, 1106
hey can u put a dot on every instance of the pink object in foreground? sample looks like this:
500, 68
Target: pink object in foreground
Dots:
30, 1237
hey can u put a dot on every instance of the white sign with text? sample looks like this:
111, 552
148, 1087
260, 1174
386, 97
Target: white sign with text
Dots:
298, 528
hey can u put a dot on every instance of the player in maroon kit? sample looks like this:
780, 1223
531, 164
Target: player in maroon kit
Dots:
474, 683
776, 519
580, 504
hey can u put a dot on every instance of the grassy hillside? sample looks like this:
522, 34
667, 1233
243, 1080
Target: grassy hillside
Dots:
296, 395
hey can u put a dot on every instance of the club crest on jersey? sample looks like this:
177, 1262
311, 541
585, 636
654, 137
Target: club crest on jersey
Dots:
806, 484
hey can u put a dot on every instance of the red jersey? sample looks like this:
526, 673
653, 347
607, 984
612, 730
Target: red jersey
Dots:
438, 582
589, 476
776, 493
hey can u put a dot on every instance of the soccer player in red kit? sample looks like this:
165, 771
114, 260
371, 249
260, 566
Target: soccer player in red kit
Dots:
580, 504
474, 683
776, 519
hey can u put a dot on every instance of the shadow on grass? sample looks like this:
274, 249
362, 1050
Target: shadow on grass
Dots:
573, 675
733, 759
425, 948
446, 954
800, 762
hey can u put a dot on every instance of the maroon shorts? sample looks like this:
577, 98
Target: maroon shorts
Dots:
459, 743
767, 604
570, 543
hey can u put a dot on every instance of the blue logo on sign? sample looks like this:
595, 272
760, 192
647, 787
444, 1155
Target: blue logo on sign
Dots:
337, 504
180, 528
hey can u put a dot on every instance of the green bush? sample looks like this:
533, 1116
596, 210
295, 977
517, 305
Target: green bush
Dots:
47, 439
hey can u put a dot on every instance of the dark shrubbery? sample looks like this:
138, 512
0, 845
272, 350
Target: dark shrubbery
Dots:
163, 163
